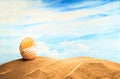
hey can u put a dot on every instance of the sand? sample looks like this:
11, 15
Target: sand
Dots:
49, 68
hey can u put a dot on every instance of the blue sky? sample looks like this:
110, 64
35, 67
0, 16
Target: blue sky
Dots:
63, 28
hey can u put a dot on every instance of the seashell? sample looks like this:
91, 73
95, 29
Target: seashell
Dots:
29, 53
27, 48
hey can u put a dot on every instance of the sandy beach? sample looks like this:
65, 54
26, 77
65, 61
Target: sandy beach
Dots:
71, 68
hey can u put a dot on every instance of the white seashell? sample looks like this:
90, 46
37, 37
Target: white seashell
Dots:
27, 48
29, 53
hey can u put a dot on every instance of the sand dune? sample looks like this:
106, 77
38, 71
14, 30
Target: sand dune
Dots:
49, 68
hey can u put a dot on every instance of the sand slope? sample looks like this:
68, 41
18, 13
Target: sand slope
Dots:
49, 68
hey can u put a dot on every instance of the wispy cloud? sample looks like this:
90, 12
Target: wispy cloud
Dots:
77, 28
69, 5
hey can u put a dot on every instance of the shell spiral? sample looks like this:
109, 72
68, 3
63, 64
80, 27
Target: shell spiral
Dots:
27, 48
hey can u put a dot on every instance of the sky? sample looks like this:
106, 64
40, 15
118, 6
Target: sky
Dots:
62, 28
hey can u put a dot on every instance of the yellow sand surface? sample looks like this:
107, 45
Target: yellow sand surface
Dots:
71, 68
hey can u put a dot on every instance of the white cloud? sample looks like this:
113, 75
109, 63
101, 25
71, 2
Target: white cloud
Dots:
69, 49
83, 47
13, 11
15, 15
107, 44
44, 50
72, 47
70, 23
101, 48
47, 15
54, 23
